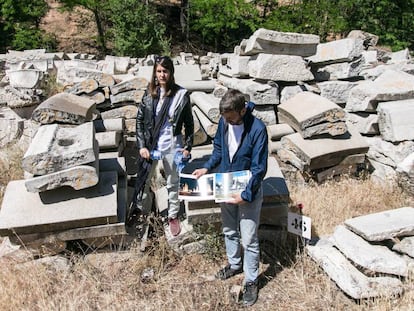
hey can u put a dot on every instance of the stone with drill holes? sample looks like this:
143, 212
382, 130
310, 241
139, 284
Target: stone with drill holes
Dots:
56, 148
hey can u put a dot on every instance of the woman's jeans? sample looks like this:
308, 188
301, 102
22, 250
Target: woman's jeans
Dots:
171, 174
241, 222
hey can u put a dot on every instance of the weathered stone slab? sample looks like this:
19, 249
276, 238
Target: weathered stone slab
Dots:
237, 66
383, 225
396, 120
86, 86
57, 148
25, 78
200, 136
58, 209
337, 51
376, 258
208, 104
135, 83
209, 127
311, 114
116, 124
366, 123
259, 93
120, 63
10, 130
78, 74
266, 113
108, 140
64, 108
199, 85
348, 166
17, 98
127, 96
77, 177
96, 96
277, 131
126, 112
405, 174
92, 232
390, 85
345, 70
350, 279
375, 72
290, 68
324, 152
388, 153
286, 43
405, 246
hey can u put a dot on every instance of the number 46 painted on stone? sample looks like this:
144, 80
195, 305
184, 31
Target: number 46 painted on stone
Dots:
299, 225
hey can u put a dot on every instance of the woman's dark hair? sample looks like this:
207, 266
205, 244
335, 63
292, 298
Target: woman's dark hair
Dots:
232, 100
171, 87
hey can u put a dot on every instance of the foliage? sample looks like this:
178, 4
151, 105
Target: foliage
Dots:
19, 24
223, 23
137, 29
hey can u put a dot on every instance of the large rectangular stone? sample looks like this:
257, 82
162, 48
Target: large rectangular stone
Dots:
58, 209
275, 42
348, 278
384, 225
324, 152
55, 148
376, 258
396, 120
307, 110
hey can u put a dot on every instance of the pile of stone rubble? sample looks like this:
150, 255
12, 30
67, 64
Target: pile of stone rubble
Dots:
330, 108
369, 256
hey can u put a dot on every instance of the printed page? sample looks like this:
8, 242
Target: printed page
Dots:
192, 189
228, 184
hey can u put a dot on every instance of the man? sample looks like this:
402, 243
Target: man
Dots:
240, 144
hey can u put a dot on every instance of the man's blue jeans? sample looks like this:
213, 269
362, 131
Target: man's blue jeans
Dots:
240, 224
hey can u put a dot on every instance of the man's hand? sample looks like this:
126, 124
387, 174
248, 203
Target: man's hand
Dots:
200, 172
236, 199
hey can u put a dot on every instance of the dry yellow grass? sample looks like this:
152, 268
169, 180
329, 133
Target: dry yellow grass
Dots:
290, 280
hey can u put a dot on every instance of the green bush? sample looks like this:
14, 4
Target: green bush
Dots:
137, 30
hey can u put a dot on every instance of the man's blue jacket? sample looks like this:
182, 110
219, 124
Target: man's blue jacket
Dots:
251, 155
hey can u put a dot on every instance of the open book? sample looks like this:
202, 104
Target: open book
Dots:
217, 186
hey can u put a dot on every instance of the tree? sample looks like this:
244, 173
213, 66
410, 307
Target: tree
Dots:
100, 10
20, 22
222, 23
137, 29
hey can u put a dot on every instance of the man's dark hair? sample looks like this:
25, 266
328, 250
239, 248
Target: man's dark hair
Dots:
232, 100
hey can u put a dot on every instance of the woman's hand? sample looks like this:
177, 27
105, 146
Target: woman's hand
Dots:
144, 153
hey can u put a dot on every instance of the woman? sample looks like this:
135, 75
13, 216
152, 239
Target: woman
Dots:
163, 114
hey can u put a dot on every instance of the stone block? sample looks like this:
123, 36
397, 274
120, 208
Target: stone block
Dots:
56, 148
59, 209
64, 108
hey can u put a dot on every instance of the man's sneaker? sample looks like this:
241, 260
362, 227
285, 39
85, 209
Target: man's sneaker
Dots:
227, 272
175, 227
250, 291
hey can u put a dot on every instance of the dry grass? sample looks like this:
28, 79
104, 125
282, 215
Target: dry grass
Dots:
10, 166
289, 281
